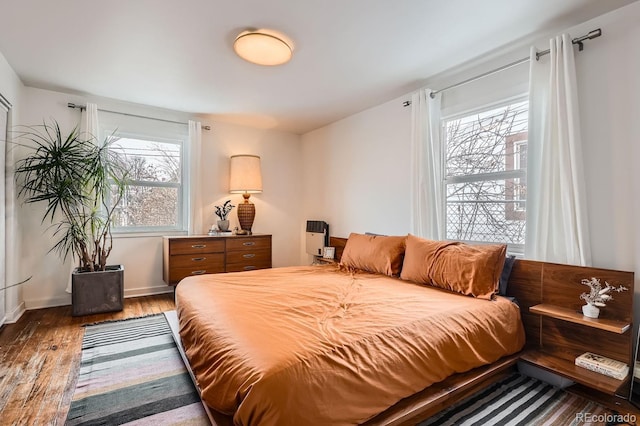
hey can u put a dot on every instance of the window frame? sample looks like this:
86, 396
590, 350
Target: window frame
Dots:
182, 219
512, 248
513, 209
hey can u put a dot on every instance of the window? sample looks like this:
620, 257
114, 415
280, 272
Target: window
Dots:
485, 175
156, 198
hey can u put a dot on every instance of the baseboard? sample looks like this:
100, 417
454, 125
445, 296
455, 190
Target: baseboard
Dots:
47, 303
13, 316
147, 291
66, 300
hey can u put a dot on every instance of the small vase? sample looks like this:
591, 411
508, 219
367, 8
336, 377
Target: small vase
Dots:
223, 225
590, 311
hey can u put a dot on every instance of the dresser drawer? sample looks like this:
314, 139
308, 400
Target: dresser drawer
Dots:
249, 265
198, 261
196, 246
177, 274
248, 243
249, 256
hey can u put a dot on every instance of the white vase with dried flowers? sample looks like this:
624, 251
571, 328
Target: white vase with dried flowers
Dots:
222, 212
598, 296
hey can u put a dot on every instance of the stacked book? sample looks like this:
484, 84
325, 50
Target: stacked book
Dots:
603, 365
216, 233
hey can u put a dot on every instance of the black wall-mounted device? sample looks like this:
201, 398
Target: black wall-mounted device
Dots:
317, 236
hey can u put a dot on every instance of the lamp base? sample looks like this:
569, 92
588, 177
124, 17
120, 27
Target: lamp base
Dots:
246, 213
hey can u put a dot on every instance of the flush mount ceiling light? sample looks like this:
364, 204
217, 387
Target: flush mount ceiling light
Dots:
263, 47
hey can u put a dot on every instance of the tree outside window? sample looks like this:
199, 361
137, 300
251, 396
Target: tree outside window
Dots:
486, 156
153, 200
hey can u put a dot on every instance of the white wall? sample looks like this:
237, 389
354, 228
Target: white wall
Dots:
12, 307
278, 212
356, 172
278, 207
367, 155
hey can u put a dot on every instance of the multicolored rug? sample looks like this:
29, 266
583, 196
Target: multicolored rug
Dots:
131, 373
522, 400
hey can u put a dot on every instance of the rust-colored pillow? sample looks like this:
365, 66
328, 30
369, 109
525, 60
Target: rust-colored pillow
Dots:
473, 270
374, 253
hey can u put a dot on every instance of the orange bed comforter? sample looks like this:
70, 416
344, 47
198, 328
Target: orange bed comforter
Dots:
319, 346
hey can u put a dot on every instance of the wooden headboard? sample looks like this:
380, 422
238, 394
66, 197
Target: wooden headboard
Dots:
559, 286
339, 244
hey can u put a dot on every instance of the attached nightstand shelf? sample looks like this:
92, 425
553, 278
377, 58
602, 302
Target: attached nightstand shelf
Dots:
565, 314
561, 360
319, 260
567, 369
557, 332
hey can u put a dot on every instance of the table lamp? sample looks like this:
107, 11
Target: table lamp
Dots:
245, 177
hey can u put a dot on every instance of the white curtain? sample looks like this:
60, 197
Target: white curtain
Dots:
89, 124
557, 228
88, 129
427, 169
195, 198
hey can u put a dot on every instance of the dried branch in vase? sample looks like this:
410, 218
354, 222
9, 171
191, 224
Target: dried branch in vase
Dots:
598, 295
223, 210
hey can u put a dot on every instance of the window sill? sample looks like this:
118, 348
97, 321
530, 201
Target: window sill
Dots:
151, 234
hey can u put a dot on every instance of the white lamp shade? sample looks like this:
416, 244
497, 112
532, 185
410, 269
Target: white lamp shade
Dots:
245, 175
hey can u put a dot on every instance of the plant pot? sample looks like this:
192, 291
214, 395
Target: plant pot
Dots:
590, 311
97, 292
223, 225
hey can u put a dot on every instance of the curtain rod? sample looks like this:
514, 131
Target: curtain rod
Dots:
81, 107
4, 101
578, 40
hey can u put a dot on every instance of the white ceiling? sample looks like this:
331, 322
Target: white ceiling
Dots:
349, 54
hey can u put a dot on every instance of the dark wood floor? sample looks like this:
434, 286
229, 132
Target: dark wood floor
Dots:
39, 353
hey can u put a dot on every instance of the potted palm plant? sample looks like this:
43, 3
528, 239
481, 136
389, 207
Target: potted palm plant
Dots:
81, 181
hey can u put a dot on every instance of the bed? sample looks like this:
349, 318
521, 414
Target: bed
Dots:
333, 344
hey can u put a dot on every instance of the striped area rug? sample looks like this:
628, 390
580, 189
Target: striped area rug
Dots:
131, 373
520, 400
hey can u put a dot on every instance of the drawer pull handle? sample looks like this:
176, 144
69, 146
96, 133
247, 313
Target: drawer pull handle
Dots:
248, 268
249, 243
198, 259
248, 256
200, 272
198, 246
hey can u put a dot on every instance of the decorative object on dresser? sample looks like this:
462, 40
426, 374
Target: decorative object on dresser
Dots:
185, 256
222, 212
245, 177
82, 181
597, 296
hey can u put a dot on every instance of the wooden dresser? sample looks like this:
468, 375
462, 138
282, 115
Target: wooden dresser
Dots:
184, 256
